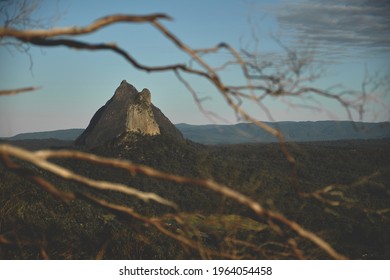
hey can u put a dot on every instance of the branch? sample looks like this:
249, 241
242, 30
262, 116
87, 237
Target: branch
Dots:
155, 222
106, 46
26, 35
34, 158
17, 90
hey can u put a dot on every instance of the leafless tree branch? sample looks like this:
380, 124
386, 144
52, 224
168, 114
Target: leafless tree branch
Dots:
26, 35
36, 159
17, 90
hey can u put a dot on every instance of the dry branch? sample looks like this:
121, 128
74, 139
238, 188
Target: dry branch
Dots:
17, 90
156, 222
34, 158
26, 35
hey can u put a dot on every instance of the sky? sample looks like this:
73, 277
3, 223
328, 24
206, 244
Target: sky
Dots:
349, 40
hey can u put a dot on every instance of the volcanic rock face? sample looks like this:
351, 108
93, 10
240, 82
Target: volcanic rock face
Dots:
127, 111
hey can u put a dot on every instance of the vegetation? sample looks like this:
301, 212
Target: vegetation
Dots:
351, 215
180, 200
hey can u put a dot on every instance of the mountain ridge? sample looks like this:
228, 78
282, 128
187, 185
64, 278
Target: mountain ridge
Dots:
297, 131
60, 134
293, 131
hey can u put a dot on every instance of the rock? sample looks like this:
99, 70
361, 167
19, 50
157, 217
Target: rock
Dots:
127, 111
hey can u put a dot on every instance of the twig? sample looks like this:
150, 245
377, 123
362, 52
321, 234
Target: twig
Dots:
34, 158
17, 90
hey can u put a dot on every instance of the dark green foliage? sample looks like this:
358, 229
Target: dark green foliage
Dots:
351, 215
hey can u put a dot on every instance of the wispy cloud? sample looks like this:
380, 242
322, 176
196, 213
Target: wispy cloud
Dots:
358, 25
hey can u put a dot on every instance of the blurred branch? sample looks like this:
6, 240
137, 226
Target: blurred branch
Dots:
40, 161
19, 14
157, 222
26, 35
17, 90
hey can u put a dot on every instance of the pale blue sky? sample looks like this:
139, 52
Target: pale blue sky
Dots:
354, 36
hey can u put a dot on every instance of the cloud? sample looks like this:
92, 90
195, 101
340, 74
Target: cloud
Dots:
357, 25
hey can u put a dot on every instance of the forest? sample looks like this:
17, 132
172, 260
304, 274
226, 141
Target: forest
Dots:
338, 190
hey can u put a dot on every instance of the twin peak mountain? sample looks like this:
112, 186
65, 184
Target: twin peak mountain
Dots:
128, 111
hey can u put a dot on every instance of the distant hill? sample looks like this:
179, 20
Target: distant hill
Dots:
250, 133
293, 131
63, 134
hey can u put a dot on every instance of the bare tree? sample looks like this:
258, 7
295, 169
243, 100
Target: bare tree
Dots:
20, 15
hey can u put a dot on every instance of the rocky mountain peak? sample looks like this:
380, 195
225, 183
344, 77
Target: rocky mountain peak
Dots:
125, 91
127, 111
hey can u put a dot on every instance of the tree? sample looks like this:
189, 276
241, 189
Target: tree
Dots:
289, 80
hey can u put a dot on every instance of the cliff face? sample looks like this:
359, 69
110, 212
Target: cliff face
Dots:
127, 111
140, 117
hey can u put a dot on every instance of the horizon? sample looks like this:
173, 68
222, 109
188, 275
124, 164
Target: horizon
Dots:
207, 124
75, 84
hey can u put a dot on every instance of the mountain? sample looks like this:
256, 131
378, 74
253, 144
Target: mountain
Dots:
245, 132
130, 111
127, 111
63, 134
293, 131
